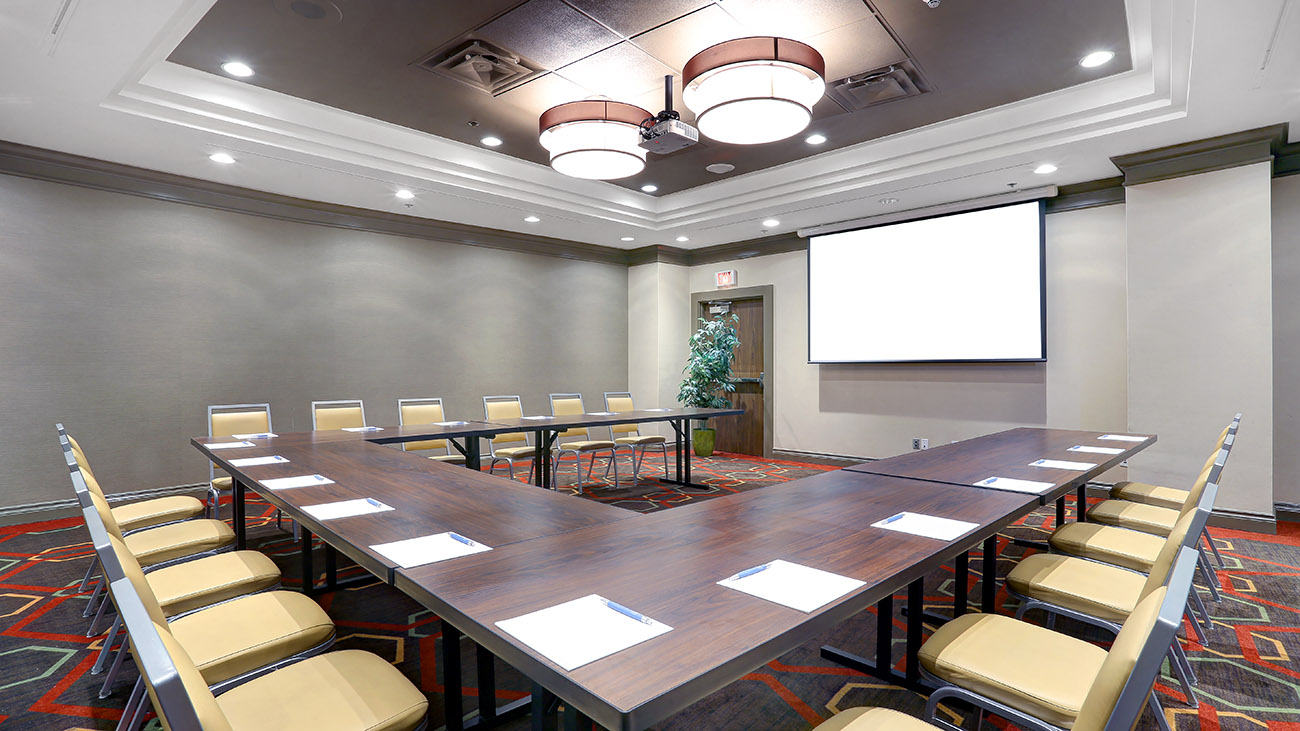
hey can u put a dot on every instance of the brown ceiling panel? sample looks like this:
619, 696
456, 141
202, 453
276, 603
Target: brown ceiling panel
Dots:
549, 32
630, 18
622, 72
797, 20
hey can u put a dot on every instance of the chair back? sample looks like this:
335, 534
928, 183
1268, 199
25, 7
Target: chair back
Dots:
619, 402
504, 408
228, 419
1207, 476
1128, 674
1186, 533
421, 411
180, 696
342, 414
569, 404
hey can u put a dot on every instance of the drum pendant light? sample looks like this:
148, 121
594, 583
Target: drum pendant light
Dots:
754, 90
594, 139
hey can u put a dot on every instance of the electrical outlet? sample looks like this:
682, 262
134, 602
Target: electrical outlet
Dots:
1124, 463
925, 444
916, 443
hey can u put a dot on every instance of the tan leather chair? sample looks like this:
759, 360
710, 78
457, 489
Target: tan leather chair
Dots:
507, 408
1046, 681
629, 435
426, 411
350, 690
570, 404
342, 414
873, 719
226, 420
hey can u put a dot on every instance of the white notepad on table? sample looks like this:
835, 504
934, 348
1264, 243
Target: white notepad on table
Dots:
259, 435
928, 526
577, 632
793, 585
1095, 450
658, 409
537, 417
258, 461
427, 549
345, 509
284, 483
1009, 483
363, 428
1122, 438
228, 445
601, 413
1061, 464
450, 423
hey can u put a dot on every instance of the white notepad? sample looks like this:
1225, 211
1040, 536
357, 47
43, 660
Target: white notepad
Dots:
450, 423
928, 526
1122, 438
793, 585
260, 435
658, 409
228, 445
575, 633
1008, 483
363, 428
538, 417
284, 483
427, 549
1061, 464
258, 461
345, 509
601, 413
1095, 450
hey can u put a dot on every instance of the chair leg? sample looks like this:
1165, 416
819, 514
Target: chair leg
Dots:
107, 688
90, 603
1187, 664
94, 623
613, 460
1208, 573
1206, 622
104, 651
1196, 623
134, 708
1213, 548
1180, 672
90, 573
1153, 702
663, 449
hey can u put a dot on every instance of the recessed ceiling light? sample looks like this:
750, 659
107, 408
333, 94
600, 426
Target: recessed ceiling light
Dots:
531, 219
404, 194
628, 238
815, 139
221, 157
491, 141
1046, 168
771, 223
682, 239
237, 68
718, 168
649, 188
888, 201
1096, 58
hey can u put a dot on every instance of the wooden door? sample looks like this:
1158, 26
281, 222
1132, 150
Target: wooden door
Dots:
744, 434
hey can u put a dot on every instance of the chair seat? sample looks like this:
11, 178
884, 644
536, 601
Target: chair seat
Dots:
647, 439
234, 638
873, 719
194, 584
449, 458
515, 452
1134, 516
1035, 670
178, 540
349, 690
1096, 589
586, 446
223, 483
161, 510
1144, 492
1120, 546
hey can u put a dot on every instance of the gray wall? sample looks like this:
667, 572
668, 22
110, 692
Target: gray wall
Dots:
124, 317
1286, 339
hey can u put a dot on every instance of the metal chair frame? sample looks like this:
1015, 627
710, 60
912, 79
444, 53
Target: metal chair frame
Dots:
492, 447
338, 402
214, 495
560, 450
642, 448
401, 420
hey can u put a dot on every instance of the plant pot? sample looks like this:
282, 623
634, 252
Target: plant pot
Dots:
702, 441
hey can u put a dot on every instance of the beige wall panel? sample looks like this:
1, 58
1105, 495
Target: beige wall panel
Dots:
1286, 339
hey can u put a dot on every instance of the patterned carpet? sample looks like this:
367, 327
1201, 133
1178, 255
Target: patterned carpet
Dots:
1249, 678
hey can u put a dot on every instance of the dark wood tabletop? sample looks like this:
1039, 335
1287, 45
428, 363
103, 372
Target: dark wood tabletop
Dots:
640, 416
665, 565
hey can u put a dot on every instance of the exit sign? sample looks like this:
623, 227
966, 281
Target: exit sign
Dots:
726, 279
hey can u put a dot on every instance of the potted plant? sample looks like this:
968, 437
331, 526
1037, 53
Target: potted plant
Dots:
708, 373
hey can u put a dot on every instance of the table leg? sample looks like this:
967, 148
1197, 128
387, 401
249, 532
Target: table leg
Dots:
308, 575
452, 687
237, 508
686, 456
542, 709
990, 579
883, 666
575, 720
487, 684
961, 581
885, 634
1081, 504
915, 616
331, 568
473, 460
677, 430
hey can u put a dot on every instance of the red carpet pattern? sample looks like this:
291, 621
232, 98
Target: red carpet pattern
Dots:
1249, 675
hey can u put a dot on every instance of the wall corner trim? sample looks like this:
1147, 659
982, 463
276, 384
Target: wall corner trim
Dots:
1203, 156
1092, 194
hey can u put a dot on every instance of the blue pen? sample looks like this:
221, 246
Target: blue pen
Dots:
990, 481
278, 458
750, 572
462, 539
892, 518
374, 502
627, 612
319, 478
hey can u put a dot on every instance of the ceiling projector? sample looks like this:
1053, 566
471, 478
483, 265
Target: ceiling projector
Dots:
668, 135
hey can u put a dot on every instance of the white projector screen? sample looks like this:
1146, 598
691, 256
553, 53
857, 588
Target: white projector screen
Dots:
962, 287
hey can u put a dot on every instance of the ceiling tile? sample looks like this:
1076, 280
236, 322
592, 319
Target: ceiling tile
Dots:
630, 18
620, 73
542, 93
548, 32
799, 21
676, 42
857, 47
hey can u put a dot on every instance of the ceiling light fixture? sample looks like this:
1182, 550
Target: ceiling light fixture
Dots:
888, 201
649, 188
404, 194
221, 157
628, 238
1046, 168
237, 68
754, 90
682, 239
720, 168
594, 139
816, 139
531, 219
1096, 58
491, 141
771, 223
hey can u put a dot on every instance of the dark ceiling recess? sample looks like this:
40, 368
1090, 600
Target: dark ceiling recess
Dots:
893, 82
481, 65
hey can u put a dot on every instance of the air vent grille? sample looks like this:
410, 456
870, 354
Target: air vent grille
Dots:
867, 89
482, 66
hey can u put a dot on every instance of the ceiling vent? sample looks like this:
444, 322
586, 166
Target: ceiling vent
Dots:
482, 66
859, 91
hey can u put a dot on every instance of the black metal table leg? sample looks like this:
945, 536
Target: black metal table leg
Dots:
452, 686
473, 459
237, 508
1081, 504
961, 581
686, 456
916, 603
487, 684
308, 575
677, 455
882, 666
885, 634
542, 704
1060, 511
331, 568
575, 720
990, 579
